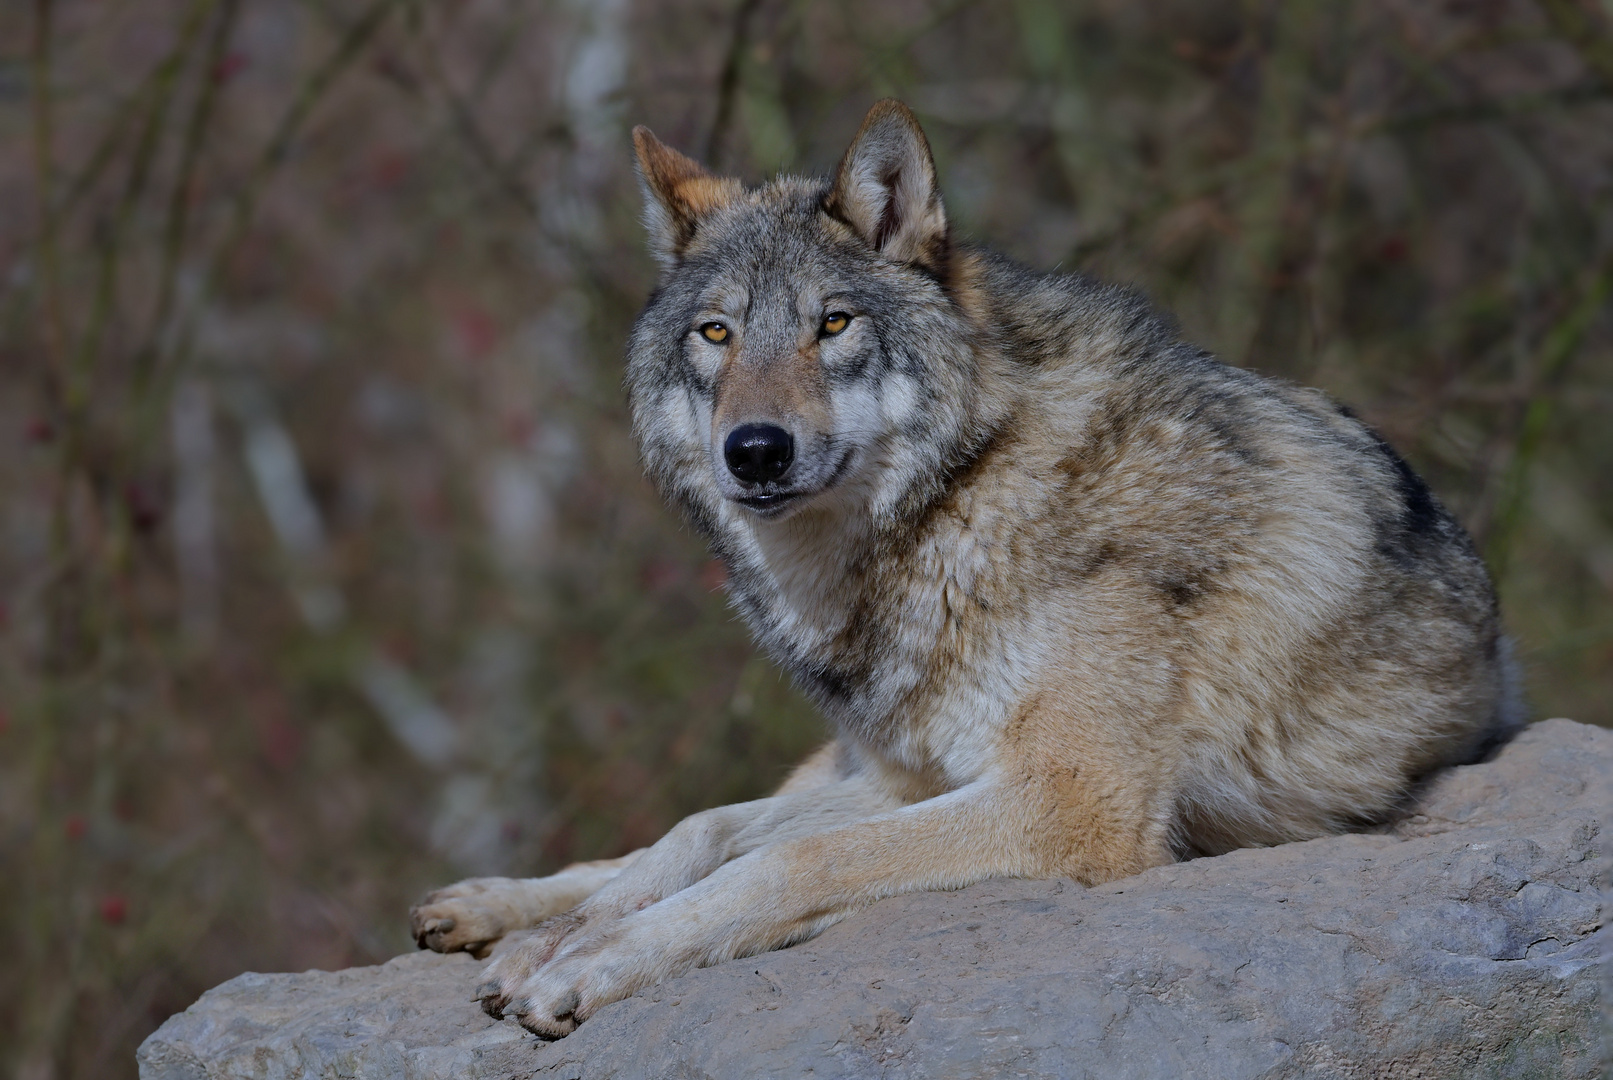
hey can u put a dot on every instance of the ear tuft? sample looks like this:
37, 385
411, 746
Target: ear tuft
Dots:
678, 193
886, 190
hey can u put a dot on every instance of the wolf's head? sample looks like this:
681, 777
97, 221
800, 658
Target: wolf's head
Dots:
806, 347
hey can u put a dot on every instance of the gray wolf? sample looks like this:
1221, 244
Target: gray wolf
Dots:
1078, 598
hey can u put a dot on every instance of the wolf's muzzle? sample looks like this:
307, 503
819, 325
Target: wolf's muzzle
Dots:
758, 453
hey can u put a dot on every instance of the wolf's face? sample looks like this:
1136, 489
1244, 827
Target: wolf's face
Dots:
779, 312
801, 341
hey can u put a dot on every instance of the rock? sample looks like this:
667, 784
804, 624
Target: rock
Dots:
1463, 943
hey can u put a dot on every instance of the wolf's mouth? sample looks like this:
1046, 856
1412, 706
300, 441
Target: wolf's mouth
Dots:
768, 505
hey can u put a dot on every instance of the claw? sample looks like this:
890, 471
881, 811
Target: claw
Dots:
493, 998
547, 1027
428, 929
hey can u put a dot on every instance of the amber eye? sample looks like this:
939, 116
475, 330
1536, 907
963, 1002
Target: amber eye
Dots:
835, 322
714, 331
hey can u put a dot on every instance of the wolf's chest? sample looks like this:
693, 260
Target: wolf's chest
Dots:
920, 655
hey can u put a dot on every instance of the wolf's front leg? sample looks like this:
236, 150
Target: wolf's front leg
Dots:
476, 913
791, 890
696, 846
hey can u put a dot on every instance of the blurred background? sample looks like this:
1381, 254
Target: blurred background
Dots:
327, 573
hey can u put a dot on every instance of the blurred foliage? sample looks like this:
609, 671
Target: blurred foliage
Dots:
326, 567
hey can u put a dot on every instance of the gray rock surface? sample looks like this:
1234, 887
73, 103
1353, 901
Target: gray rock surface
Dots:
1465, 943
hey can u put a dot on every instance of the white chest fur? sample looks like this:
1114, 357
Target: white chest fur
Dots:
945, 650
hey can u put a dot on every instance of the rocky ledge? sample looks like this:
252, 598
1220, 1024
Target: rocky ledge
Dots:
1466, 942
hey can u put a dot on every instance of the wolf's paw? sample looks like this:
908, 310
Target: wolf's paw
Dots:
583, 974
472, 915
516, 963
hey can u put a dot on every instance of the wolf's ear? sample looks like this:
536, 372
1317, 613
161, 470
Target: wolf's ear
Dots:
678, 192
885, 188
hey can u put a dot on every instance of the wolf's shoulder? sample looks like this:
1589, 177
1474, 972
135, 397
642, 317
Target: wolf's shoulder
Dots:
1052, 321
1046, 318
1099, 363
1076, 334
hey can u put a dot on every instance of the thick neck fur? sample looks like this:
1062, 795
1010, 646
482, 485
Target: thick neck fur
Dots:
808, 584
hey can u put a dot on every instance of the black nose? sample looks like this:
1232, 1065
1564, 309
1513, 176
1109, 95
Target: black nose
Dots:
757, 453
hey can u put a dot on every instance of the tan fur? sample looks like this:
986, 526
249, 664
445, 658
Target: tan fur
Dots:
1079, 599
685, 191
788, 389
474, 914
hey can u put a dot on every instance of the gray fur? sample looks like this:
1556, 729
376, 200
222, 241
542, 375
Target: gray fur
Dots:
1238, 433
1079, 598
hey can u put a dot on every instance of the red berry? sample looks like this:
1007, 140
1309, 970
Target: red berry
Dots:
114, 909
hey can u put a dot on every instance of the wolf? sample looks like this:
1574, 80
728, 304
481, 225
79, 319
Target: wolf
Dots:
1078, 598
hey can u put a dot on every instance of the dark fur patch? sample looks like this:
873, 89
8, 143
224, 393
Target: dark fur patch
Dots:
891, 219
1420, 524
1422, 514
828, 686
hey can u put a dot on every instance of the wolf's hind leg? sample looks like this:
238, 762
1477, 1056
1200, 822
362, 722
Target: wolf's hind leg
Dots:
473, 914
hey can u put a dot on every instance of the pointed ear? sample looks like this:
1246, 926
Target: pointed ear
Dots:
886, 190
678, 192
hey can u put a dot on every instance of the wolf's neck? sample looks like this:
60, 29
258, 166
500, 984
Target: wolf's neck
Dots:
803, 572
